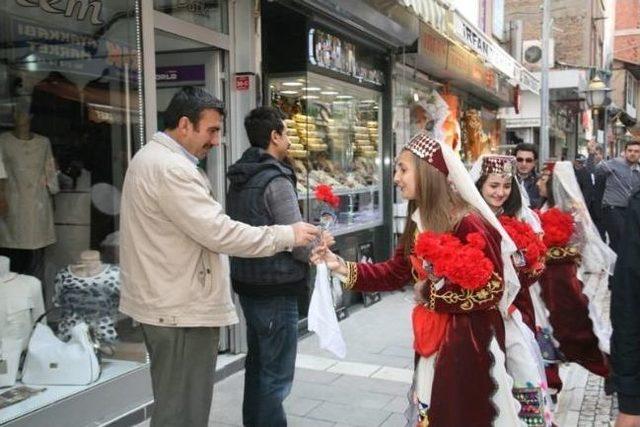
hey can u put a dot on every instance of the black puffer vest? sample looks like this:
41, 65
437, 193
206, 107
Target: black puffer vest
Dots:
249, 178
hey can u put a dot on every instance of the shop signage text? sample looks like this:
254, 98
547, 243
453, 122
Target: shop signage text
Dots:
330, 52
531, 122
77, 9
482, 45
242, 83
180, 73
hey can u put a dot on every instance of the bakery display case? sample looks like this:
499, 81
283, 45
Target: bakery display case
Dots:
335, 133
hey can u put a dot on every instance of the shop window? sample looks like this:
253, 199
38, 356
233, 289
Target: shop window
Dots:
209, 14
632, 91
70, 119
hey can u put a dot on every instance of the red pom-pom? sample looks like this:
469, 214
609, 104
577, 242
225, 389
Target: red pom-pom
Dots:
558, 227
324, 193
464, 264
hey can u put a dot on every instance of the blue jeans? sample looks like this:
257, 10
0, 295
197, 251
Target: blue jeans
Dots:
272, 339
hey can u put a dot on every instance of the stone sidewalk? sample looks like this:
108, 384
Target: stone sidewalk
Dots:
369, 387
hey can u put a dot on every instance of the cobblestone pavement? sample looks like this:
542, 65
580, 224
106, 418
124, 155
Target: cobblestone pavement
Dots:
583, 403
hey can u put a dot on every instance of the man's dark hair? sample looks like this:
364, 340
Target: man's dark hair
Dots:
259, 124
190, 102
524, 146
632, 142
600, 148
513, 204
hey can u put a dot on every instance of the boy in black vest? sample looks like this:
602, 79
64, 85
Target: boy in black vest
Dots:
263, 192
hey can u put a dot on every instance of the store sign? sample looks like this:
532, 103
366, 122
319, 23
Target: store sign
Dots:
76, 9
485, 47
44, 47
330, 52
433, 46
528, 81
180, 73
527, 122
242, 83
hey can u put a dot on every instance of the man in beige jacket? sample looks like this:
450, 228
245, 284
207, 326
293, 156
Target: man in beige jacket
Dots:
174, 241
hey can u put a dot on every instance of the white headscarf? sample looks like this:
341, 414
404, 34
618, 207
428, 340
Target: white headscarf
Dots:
596, 255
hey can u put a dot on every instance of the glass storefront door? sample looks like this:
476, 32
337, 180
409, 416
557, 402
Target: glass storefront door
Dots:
184, 57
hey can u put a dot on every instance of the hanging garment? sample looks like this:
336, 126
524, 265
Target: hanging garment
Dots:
31, 181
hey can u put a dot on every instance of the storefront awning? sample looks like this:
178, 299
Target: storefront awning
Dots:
359, 15
429, 11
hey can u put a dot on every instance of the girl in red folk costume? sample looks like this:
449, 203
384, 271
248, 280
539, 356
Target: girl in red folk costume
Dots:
572, 238
458, 254
495, 179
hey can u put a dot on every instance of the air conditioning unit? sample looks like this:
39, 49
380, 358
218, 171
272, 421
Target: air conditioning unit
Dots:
532, 54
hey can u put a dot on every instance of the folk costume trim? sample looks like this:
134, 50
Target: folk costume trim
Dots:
352, 275
467, 299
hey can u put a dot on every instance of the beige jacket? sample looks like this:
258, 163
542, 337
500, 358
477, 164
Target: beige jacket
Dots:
174, 238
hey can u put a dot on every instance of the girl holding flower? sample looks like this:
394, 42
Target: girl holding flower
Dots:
458, 255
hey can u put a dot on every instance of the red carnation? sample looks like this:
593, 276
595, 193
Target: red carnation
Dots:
324, 193
558, 227
526, 240
464, 264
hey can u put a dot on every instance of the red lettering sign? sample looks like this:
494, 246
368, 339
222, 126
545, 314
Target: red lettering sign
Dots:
242, 83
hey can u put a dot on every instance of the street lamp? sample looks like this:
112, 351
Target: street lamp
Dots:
596, 93
628, 137
618, 128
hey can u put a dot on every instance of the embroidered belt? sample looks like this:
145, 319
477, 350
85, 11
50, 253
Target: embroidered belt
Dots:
467, 298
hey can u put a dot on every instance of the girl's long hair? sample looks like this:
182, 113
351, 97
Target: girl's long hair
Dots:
439, 205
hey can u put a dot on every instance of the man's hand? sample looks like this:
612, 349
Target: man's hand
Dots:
304, 233
418, 291
626, 420
327, 239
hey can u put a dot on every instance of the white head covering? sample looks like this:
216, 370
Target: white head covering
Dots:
464, 185
525, 214
596, 255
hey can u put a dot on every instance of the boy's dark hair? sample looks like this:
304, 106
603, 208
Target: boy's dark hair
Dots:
632, 142
525, 146
189, 102
513, 204
259, 124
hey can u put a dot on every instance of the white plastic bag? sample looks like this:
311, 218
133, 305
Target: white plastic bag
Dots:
322, 315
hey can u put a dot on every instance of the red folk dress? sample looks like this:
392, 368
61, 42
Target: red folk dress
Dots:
462, 389
562, 294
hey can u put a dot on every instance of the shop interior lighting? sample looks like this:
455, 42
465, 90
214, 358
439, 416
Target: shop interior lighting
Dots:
289, 92
309, 97
293, 84
329, 92
311, 89
344, 96
416, 98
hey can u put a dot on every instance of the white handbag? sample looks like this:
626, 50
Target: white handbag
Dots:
51, 361
10, 350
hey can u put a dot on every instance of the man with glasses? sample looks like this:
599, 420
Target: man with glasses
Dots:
526, 157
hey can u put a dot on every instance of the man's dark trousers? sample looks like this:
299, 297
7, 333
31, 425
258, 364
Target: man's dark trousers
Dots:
272, 340
614, 219
183, 364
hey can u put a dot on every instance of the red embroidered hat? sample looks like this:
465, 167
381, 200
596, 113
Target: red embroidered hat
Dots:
428, 149
500, 164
